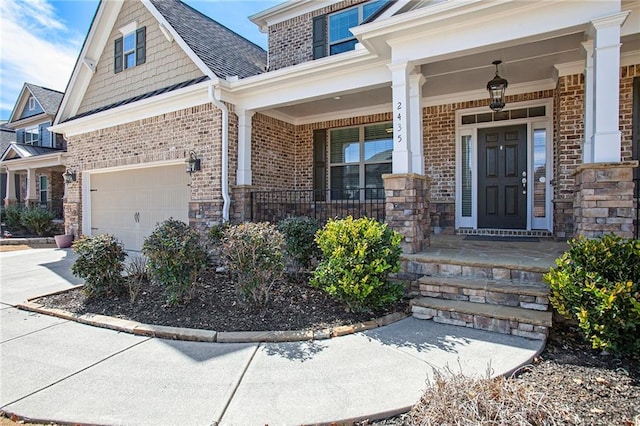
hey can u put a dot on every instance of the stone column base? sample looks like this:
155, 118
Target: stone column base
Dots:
241, 203
407, 209
603, 201
72, 219
204, 214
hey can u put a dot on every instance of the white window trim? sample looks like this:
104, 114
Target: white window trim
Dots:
545, 122
361, 161
26, 132
126, 52
129, 28
45, 189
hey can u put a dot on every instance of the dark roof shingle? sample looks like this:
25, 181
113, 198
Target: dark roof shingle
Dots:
48, 99
222, 50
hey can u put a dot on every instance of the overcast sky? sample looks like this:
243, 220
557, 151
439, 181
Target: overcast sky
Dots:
40, 39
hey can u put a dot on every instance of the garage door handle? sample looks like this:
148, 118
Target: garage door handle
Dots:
94, 229
136, 217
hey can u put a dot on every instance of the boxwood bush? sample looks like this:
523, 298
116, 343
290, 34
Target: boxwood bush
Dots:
99, 263
38, 221
299, 237
175, 258
358, 256
597, 283
252, 253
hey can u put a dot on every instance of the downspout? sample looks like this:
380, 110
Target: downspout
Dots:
225, 154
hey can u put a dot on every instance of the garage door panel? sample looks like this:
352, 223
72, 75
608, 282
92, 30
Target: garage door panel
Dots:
129, 204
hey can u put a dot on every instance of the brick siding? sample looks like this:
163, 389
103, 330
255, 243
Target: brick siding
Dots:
169, 136
291, 41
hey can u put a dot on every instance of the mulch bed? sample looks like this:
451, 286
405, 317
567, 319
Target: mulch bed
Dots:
216, 305
600, 389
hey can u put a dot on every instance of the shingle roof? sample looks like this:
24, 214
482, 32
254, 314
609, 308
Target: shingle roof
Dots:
7, 135
222, 50
48, 99
140, 97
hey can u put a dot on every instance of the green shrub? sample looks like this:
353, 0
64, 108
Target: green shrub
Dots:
358, 257
13, 216
136, 276
100, 263
299, 237
597, 283
175, 258
252, 253
37, 221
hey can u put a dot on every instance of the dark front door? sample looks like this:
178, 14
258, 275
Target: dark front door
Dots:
502, 173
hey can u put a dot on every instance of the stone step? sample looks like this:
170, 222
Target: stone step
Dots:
414, 266
497, 318
525, 295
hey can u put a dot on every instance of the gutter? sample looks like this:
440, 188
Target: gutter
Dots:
225, 154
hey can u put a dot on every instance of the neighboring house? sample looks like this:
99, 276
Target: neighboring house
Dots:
34, 161
7, 135
355, 100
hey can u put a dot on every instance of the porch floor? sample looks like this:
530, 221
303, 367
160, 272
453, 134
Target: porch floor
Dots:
536, 256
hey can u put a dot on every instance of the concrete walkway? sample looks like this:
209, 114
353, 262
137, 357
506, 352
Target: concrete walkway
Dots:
53, 369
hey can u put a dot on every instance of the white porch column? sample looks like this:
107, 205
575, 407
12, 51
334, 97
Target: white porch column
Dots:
415, 118
11, 188
400, 85
31, 186
587, 149
606, 82
243, 176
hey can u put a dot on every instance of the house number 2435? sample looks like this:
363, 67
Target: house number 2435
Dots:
399, 123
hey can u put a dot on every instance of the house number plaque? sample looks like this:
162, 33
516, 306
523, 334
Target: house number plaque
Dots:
399, 129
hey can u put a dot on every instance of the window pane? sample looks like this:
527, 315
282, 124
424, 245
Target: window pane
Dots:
345, 181
467, 178
373, 179
31, 135
343, 47
130, 60
539, 172
345, 145
378, 144
43, 189
371, 8
129, 42
340, 23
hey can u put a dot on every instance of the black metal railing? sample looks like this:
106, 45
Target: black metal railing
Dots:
322, 205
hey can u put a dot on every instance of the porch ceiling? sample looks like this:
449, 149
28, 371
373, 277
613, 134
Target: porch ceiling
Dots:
523, 63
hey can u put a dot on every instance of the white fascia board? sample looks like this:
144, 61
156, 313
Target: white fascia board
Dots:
185, 47
315, 86
324, 65
287, 10
36, 162
94, 44
630, 58
20, 103
161, 104
391, 10
523, 21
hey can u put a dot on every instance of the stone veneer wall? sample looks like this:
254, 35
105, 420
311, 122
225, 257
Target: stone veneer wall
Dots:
604, 199
291, 41
407, 209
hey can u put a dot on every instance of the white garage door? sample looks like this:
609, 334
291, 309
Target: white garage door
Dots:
129, 204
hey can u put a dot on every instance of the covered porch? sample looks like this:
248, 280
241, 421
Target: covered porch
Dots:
455, 164
34, 178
